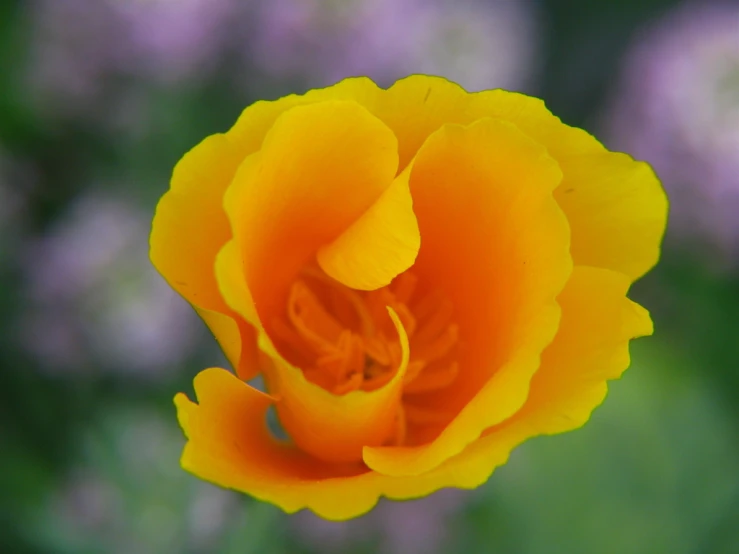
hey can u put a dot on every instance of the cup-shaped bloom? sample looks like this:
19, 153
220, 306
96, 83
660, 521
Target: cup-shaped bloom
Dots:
424, 277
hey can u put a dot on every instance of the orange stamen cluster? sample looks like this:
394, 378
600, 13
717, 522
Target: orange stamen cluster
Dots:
344, 339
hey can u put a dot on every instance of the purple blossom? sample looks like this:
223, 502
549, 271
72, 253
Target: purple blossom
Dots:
94, 298
677, 107
79, 47
479, 45
174, 38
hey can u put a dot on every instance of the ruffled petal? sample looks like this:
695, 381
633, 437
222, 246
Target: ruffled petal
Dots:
230, 445
617, 211
299, 193
496, 242
379, 245
616, 207
188, 230
591, 347
193, 208
333, 427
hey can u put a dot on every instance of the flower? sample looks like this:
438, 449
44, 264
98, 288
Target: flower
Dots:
93, 299
424, 277
84, 50
677, 106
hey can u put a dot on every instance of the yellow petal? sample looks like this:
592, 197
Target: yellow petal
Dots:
496, 242
226, 331
617, 211
299, 193
190, 226
591, 346
232, 284
188, 230
598, 320
256, 120
379, 245
335, 428
616, 207
230, 445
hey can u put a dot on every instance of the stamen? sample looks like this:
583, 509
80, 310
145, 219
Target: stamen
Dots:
433, 380
377, 350
349, 385
440, 346
310, 319
345, 340
285, 332
414, 370
439, 319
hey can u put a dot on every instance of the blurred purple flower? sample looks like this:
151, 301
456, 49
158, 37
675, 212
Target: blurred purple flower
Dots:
677, 107
174, 38
477, 44
410, 527
79, 47
94, 297
127, 493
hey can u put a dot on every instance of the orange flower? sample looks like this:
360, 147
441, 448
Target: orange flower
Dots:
424, 277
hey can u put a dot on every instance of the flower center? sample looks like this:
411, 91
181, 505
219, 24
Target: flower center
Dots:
345, 340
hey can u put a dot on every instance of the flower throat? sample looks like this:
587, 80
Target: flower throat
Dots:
344, 339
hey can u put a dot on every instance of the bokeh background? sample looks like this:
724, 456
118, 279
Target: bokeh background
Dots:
100, 98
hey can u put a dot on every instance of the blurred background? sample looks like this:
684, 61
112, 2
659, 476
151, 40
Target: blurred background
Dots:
100, 98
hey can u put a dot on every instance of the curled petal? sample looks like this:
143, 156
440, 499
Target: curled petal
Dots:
616, 206
497, 243
336, 428
379, 245
591, 347
230, 445
192, 208
299, 193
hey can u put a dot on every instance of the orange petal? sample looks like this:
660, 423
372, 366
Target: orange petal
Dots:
297, 194
497, 244
616, 206
332, 427
591, 346
256, 120
230, 445
188, 230
378, 246
232, 284
190, 226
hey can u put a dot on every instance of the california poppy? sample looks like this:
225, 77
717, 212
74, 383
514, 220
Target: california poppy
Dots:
424, 277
